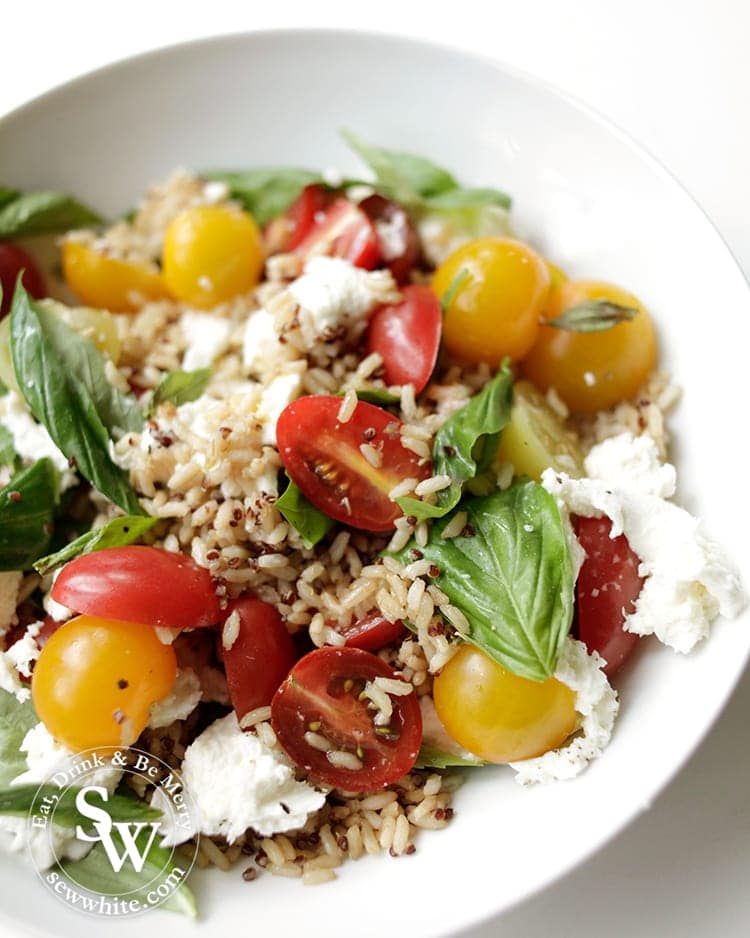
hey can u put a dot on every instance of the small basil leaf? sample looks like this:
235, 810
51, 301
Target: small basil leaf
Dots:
20, 799
34, 213
27, 507
593, 316
8, 455
512, 578
375, 396
94, 872
62, 377
431, 758
119, 532
454, 288
266, 193
180, 387
311, 523
468, 198
16, 719
7, 195
466, 444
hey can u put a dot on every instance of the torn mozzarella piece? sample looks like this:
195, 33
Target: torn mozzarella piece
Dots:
16, 663
281, 391
30, 439
597, 703
207, 336
180, 702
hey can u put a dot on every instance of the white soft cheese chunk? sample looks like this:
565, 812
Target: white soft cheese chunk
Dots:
45, 755
16, 662
597, 703
30, 439
207, 337
261, 347
282, 390
10, 583
332, 292
236, 782
180, 702
689, 580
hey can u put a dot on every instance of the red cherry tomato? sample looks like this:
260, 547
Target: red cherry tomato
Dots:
305, 213
398, 240
324, 457
13, 260
140, 584
343, 231
407, 335
608, 586
259, 658
372, 632
320, 702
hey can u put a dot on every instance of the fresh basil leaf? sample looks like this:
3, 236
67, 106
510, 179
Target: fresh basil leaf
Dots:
63, 380
311, 523
454, 288
16, 719
512, 578
431, 758
19, 799
593, 316
266, 193
8, 454
119, 532
27, 507
34, 213
466, 444
180, 387
7, 195
94, 872
468, 199
379, 396
3, 387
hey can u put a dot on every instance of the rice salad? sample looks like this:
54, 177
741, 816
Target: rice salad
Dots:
343, 492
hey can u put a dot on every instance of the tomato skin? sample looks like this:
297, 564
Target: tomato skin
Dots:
260, 657
304, 214
372, 632
498, 715
407, 336
343, 231
324, 459
317, 691
96, 679
496, 311
607, 583
398, 240
593, 371
140, 584
13, 260
107, 282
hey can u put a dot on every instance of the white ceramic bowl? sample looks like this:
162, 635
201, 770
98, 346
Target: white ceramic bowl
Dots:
592, 201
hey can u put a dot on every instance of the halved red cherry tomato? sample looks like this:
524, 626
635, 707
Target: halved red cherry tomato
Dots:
407, 336
259, 658
324, 458
13, 260
608, 586
320, 702
343, 231
397, 237
372, 632
140, 584
285, 232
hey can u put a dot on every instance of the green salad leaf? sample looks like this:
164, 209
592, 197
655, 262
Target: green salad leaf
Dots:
511, 575
119, 532
180, 387
8, 455
44, 212
16, 719
311, 523
380, 396
18, 800
266, 193
62, 377
466, 444
27, 508
431, 758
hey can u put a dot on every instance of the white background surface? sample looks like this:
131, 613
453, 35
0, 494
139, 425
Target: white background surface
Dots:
676, 76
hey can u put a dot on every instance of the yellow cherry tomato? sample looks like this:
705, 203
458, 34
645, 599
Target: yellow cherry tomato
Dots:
497, 308
212, 253
497, 715
557, 279
535, 437
96, 679
592, 371
108, 282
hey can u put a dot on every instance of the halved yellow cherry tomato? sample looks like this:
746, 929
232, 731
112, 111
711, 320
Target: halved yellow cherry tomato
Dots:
96, 679
108, 282
497, 308
212, 253
592, 371
497, 715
